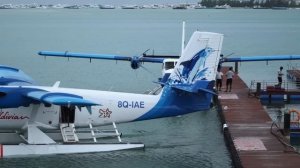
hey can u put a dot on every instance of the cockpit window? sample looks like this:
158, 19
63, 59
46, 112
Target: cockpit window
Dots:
169, 65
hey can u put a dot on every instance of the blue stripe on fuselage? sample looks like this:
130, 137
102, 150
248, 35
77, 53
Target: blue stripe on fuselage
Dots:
13, 76
175, 102
14, 97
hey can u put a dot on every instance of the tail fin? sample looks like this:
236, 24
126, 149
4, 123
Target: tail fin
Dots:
194, 73
199, 62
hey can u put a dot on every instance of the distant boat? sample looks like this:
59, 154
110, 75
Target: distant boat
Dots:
222, 6
199, 6
279, 8
58, 6
107, 7
72, 7
259, 7
129, 7
180, 6
149, 7
6, 6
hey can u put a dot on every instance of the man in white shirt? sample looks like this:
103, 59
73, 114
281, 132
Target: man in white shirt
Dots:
229, 75
219, 78
279, 76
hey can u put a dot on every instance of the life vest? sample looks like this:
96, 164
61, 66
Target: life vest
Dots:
297, 119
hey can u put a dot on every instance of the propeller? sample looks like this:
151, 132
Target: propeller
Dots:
135, 61
222, 57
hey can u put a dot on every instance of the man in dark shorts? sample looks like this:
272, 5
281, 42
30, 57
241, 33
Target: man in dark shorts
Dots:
229, 75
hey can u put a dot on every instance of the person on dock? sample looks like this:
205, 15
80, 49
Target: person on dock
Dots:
219, 79
229, 75
279, 76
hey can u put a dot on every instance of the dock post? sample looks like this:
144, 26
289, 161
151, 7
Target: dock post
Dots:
236, 67
288, 98
287, 121
258, 88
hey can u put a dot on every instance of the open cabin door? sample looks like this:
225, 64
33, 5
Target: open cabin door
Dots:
67, 114
67, 126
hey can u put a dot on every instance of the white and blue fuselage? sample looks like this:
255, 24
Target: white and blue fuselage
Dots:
187, 89
113, 107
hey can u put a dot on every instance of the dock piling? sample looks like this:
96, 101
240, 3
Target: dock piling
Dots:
287, 121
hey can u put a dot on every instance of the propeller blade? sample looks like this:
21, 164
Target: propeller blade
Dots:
147, 70
144, 53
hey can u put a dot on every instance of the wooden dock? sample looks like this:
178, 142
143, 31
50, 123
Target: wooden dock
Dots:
248, 132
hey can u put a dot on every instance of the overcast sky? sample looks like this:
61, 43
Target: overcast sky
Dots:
111, 2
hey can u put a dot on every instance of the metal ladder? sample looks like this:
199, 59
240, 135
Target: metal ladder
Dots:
115, 130
93, 132
68, 133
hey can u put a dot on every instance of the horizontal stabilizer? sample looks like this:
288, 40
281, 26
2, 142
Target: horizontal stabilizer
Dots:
207, 91
183, 88
159, 82
190, 89
62, 99
261, 58
163, 80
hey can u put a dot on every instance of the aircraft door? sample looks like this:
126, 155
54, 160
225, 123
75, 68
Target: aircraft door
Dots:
67, 114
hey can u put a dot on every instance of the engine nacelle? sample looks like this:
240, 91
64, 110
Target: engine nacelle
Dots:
135, 62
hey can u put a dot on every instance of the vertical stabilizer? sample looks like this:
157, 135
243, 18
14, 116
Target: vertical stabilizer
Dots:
199, 60
190, 85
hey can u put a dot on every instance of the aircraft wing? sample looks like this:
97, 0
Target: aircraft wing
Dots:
261, 58
61, 99
153, 60
162, 56
84, 55
97, 56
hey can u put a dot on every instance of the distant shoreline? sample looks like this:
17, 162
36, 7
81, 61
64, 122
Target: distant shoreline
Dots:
152, 6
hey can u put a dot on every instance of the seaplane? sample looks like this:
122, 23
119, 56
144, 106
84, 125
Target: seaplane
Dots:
45, 120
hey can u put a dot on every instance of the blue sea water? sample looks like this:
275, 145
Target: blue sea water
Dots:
193, 140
